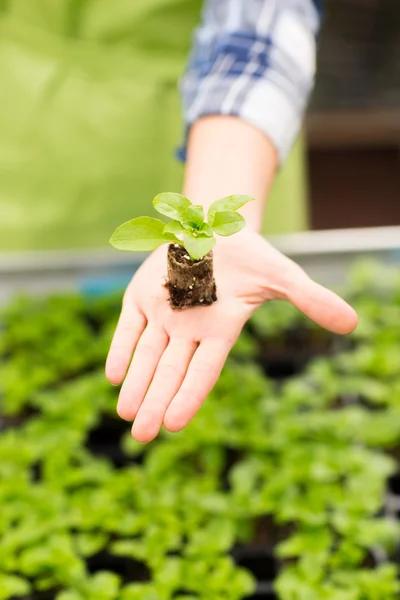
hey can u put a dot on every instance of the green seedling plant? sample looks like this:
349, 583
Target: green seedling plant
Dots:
187, 227
378, 584
191, 239
305, 455
12, 586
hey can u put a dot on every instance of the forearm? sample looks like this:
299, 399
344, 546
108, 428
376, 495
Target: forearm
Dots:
228, 156
252, 66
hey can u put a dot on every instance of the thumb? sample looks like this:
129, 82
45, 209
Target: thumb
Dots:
321, 305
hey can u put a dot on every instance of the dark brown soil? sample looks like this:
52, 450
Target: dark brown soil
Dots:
190, 283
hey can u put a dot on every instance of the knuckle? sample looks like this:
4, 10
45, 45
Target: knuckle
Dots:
125, 398
131, 393
204, 368
170, 371
125, 327
147, 351
118, 349
156, 403
184, 396
190, 396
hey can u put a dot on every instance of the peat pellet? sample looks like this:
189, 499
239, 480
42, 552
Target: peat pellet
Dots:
190, 283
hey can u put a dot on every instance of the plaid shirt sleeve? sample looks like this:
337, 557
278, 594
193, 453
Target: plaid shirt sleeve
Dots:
254, 59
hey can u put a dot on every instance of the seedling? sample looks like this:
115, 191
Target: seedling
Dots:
191, 239
260, 462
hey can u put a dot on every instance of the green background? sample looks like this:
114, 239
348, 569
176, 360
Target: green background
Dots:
90, 119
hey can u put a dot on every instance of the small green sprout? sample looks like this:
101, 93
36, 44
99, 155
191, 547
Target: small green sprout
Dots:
187, 227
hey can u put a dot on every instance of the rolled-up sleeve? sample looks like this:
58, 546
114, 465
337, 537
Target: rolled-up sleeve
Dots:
254, 59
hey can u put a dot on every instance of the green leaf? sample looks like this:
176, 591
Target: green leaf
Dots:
69, 595
139, 591
377, 532
172, 205
174, 227
89, 543
214, 538
130, 446
198, 246
229, 203
244, 582
194, 216
139, 235
313, 541
172, 230
104, 586
12, 586
227, 222
132, 548
169, 576
205, 229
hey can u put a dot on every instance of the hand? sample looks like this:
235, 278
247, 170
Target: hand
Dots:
179, 355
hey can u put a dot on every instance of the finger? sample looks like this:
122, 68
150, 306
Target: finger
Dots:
321, 305
203, 373
144, 363
167, 380
130, 327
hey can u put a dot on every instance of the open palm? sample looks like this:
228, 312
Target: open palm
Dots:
178, 355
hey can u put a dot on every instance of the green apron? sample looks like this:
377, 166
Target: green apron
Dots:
90, 119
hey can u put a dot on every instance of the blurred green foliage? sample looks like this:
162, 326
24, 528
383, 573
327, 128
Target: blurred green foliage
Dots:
306, 452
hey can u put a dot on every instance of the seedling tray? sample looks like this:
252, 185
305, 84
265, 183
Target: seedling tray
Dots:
261, 562
294, 349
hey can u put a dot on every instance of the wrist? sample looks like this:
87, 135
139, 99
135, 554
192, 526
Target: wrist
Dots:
228, 156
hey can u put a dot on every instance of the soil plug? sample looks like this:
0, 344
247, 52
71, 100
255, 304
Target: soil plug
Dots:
191, 239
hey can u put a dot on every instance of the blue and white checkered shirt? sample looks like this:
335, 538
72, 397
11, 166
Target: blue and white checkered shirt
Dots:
254, 59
